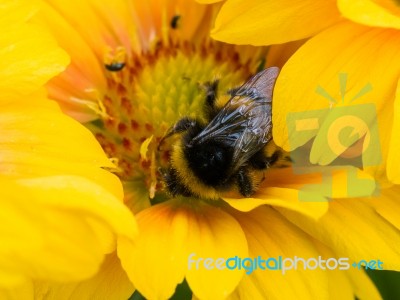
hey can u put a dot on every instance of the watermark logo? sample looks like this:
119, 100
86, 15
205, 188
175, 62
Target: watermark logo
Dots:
279, 263
343, 136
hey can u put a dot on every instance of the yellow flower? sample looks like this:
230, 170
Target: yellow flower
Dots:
137, 68
60, 211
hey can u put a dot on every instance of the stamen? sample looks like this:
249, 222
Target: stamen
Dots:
96, 105
116, 168
144, 147
153, 175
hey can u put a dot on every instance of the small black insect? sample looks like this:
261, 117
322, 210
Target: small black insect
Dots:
175, 21
115, 66
213, 157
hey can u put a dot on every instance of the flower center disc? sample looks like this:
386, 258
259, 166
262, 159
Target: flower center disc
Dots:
148, 92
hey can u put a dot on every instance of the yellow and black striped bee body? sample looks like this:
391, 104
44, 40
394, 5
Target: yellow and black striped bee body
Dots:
231, 148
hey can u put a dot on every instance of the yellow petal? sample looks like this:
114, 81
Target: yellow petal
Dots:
389, 206
362, 285
14, 13
29, 56
278, 55
38, 140
352, 228
372, 13
86, 69
23, 291
339, 285
171, 233
98, 201
154, 17
308, 192
279, 197
281, 188
258, 22
218, 235
110, 282
269, 235
47, 228
393, 168
94, 24
208, 1
346, 284
338, 55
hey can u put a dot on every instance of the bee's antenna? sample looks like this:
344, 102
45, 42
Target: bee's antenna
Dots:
167, 135
180, 126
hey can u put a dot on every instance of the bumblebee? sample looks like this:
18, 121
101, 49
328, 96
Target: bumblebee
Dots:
231, 150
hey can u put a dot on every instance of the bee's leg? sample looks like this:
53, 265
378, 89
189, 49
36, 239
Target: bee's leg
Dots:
244, 182
260, 161
211, 91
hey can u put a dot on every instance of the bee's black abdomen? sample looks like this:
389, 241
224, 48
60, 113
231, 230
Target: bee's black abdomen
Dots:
210, 162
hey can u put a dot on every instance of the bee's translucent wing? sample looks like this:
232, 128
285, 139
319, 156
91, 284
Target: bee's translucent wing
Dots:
260, 85
245, 122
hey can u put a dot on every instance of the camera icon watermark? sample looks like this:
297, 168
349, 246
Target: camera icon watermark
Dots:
342, 137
